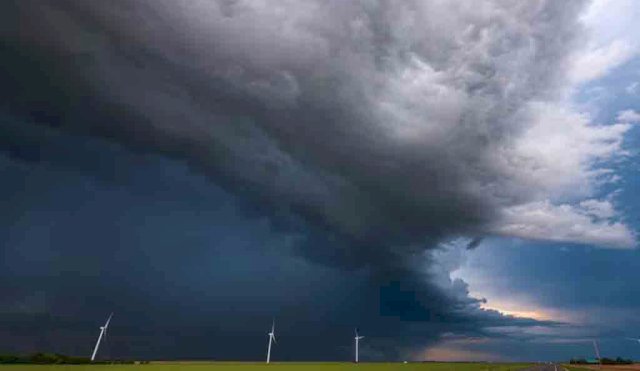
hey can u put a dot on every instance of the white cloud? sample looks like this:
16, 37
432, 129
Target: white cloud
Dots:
559, 155
597, 61
602, 209
633, 88
611, 26
564, 223
628, 116
558, 162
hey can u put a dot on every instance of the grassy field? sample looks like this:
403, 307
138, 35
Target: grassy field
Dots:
633, 367
230, 366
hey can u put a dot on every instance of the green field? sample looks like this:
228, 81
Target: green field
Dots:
232, 366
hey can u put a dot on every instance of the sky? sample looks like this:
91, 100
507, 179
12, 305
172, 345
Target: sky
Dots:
456, 180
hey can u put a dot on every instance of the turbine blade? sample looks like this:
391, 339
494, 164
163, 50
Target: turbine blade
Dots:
274, 338
108, 320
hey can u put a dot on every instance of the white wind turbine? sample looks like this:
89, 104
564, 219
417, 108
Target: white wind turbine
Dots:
357, 338
272, 337
103, 331
634, 339
595, 346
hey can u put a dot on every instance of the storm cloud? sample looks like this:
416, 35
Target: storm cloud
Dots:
370, 134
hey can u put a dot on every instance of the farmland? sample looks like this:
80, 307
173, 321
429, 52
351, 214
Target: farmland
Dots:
237, 366
604, 367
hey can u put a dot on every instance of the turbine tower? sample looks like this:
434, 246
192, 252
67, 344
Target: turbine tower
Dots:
103, 331
272, 337
357, 338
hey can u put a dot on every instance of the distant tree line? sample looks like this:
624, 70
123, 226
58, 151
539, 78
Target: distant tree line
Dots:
54, 358
604, 361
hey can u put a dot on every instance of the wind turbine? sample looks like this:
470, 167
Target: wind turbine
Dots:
634, 339
272, 337
595, 346
103, 331
357, 338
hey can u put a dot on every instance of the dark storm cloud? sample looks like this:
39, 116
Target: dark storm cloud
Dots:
292, 109
474, 243
305, 112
